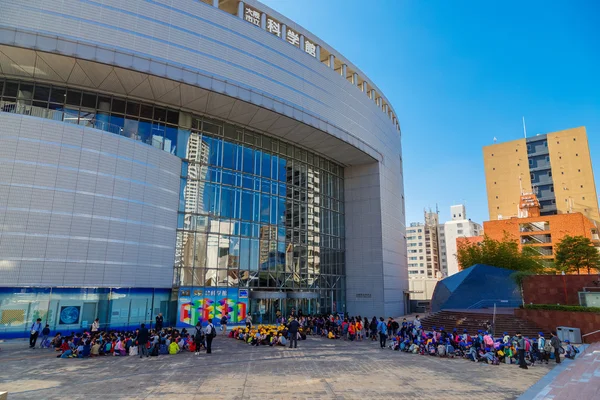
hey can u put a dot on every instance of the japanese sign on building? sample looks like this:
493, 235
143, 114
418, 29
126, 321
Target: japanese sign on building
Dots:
310, 47
276, 28
273, 27
251, 15
292, 37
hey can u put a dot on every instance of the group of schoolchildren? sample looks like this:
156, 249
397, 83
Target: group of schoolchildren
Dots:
264, 335
482, 347
121, 343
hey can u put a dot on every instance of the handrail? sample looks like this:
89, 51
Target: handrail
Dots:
591, 333
492, 302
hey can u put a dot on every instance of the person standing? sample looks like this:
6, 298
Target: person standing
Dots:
249, 321
544, 348
417, 322
555, 342
382, 329
36, 328
293, 328
224, 323
96, 325
198, 337
45, 334
159, 322
142, 340
211, 332
521, 349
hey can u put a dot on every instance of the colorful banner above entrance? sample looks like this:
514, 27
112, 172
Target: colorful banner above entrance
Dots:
200, 304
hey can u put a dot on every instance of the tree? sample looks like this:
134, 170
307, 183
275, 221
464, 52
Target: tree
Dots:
503, 254
574, 253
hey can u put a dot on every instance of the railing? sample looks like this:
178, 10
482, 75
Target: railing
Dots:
491, 302
64, 116
527, 239
591, 333
534, 227
542, 251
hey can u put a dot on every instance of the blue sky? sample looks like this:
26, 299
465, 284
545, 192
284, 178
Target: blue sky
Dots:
460, 73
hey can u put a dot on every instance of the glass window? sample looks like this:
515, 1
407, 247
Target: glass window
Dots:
211, 196
133, 109
257, 157
266, 165
172, 117
248, 163
88, 100
264, 209
170, 140
73, 97
25, 91
215, 154
12, 88
42, 93
227, 201
210, 127
160, 114
118, 106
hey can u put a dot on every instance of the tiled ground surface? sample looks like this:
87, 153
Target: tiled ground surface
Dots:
318, 369
579, 380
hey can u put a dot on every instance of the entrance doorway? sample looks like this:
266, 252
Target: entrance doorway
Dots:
266, 307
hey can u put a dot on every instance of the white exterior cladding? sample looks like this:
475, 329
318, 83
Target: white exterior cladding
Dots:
456, 228
83, 207
191, 43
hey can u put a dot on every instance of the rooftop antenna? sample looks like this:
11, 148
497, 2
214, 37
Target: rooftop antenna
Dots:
524, 128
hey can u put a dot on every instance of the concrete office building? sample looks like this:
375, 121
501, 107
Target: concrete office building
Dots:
556, 167
458, 227
422, 240
190, 158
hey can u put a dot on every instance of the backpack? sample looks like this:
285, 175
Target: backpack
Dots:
548, 347
163, 349
441, 350
213, 331
527, 345
488, 341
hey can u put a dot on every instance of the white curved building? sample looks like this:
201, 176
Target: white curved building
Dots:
190, 158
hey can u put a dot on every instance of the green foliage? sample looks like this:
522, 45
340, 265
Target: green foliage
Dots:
556, 307
503, 254
574, 253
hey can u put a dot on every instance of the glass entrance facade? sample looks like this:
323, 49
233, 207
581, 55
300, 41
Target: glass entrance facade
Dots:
259, 213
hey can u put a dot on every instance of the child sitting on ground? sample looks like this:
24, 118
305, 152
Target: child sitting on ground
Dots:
571, 351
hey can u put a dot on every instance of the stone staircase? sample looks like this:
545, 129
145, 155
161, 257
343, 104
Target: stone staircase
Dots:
473, 321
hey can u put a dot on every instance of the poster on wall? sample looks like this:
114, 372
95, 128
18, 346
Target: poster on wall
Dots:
200, 304
69, 315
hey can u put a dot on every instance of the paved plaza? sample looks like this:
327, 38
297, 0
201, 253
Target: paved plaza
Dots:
318, 369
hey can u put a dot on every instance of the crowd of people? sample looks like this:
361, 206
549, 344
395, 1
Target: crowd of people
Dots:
142, 342
410, 337
406, 336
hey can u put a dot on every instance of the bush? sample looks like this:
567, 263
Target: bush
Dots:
556, 307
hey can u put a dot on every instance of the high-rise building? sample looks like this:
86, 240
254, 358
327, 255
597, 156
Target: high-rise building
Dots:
556, 167
458, 227
422, 239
